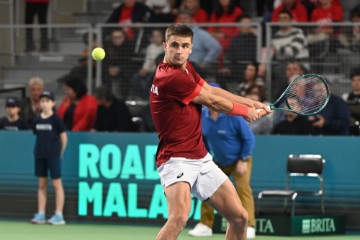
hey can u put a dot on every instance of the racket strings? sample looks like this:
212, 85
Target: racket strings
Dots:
307, 94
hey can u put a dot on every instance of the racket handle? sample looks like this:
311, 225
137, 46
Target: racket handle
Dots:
269, 108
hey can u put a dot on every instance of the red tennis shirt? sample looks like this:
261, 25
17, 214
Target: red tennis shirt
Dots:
177, 120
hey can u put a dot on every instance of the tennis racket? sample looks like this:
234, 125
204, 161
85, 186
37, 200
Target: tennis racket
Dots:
306, 95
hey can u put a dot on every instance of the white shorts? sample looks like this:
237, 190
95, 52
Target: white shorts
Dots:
203, 175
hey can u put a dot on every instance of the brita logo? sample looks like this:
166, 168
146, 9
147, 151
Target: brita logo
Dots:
264, 225
318, 225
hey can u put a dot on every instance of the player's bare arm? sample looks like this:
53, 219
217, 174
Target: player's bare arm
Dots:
224, 105
232, 97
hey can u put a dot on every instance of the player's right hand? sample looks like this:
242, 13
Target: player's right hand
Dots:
261, 106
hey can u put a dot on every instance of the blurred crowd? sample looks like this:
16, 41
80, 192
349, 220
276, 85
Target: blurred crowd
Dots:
223, 54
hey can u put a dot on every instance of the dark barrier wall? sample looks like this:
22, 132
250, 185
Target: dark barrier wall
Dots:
112, 177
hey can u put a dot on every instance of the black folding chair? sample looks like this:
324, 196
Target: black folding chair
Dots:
305, 165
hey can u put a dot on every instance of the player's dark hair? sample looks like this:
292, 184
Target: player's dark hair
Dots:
285, 11
77, 85
178, 30
104, 92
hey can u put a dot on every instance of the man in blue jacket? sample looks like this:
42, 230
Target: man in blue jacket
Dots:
230, 140
334, 119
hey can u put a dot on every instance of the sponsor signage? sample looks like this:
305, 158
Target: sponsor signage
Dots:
300, 225
111, 179
292, 226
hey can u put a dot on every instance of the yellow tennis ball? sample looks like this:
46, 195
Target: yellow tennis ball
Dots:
98, 54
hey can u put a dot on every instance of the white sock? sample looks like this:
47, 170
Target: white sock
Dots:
41, 212
58, 213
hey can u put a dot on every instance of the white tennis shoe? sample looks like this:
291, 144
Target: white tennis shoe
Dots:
250, 234
201, 230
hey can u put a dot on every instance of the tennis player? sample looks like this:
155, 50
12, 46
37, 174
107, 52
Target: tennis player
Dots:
183, 163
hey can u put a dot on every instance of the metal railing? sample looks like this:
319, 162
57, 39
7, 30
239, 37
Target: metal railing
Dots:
66, 43
335, 65
327, 56
10, 5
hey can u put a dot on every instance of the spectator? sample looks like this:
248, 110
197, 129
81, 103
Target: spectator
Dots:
51, 140
161, 10
225, 11
297, 10
30, 107
263, 125
325, 14
193, 6
249, 79
131, 11
293, 70
334, 119
231, 141
293, 124
117, 66
353, 101
310, 5
142, 80
78, 109
37, 8
206, 49
289, 43
112, 115
242, 50
349, 40
13, 121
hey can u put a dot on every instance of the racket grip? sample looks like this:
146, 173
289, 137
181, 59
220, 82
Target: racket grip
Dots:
259, 110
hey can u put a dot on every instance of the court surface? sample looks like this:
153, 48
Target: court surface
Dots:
16, 230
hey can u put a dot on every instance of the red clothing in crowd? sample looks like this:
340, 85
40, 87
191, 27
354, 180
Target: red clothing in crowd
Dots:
177, 120
298, 11
332, 14
126, 17
84, 114
229, 32
337, 2
201, 16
